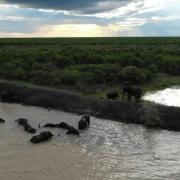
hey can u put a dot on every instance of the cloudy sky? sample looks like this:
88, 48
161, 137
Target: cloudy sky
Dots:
82, 18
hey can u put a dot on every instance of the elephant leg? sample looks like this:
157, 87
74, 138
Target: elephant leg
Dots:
123, 96
117, 98
129, 97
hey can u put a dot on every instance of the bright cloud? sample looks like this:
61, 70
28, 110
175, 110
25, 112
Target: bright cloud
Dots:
66, 18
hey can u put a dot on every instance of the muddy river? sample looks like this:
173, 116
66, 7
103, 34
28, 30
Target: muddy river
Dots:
106, 151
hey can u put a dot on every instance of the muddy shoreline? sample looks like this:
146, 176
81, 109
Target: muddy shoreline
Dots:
147, 114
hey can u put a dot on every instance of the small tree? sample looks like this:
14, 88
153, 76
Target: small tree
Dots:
70, 78
133, 75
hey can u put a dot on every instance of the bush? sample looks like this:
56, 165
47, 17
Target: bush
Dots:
101, 73
153, 68
40, 77
62, 61
19, 74
133, 75
70, 77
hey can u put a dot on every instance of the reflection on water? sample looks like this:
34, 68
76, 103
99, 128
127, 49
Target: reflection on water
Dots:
106, 151
169, 96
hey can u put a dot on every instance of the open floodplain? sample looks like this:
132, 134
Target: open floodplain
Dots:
108, 150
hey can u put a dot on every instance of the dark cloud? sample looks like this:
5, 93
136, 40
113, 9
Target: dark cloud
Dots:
79, 6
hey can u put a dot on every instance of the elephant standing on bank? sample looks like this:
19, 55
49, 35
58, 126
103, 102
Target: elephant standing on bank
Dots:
112, 95
132, 91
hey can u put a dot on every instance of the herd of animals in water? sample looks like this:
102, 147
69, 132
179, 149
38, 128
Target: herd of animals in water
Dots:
84, 122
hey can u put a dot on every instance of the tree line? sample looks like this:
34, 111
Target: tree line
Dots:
77, 65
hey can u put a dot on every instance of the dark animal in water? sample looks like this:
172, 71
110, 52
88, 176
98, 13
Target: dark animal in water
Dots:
112, 95
51, 125
42, 137
84, 122
9, 96
63, 125
132, 91
24, 122
29, 129
2, 120
72, 130
87, 118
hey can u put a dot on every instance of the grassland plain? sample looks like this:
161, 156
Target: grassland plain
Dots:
91, 66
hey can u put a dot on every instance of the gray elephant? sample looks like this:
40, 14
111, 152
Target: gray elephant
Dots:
29, 129
42, 137
112, 95
72, 130
2, 120
63, 125
24, 122
132, 91
50, 125
84, 122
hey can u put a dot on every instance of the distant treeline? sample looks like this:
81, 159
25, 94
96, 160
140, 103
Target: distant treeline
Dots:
87, 62
91, 41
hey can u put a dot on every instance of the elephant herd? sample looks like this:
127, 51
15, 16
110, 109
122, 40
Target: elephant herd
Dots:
129, 92
83, 123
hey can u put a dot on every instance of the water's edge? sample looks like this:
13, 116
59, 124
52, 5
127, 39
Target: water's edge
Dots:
167, 97
148, 114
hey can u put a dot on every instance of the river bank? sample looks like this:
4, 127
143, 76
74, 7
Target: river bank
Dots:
148, 114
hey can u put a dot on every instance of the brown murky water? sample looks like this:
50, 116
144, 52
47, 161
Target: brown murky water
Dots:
106, 151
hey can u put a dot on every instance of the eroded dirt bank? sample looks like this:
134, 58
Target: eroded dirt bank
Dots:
145, 113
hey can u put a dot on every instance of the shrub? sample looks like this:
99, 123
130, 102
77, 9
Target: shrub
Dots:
70, 77
19, 74
133, 75
40, 77
152, 68
62, 61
